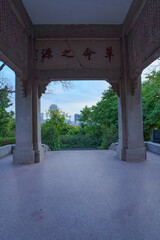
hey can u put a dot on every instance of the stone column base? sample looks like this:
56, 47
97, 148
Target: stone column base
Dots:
132, 155
28, 156
39, 155
23, 156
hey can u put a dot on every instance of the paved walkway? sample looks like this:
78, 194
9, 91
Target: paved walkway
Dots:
80, 195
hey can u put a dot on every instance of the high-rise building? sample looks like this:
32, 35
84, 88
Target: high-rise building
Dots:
42, 118
76, 119
54, 107
69, 122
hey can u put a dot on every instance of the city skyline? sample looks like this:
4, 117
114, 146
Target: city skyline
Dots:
74, 99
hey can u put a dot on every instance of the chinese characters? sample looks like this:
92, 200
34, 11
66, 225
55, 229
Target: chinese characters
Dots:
47, 54
67, 53
109, 53
88, 53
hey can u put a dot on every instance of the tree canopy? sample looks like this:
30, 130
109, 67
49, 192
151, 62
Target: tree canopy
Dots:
99, 123
101, 120
151, 103
54, 127
6, 118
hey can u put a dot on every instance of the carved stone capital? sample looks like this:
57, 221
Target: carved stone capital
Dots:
42, 87
24, 83
115, 87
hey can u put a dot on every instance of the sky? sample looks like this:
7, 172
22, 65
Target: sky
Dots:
79, 94
74, 99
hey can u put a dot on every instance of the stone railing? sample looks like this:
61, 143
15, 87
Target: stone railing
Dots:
5, 150
8, 149
151, 146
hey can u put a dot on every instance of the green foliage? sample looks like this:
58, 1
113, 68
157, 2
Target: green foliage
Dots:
100, 120
110, 135
86, 114
53, 128
151, 103
106, 111
11, 128
77, 130
95, 130
5, 117
6, 141
79, 141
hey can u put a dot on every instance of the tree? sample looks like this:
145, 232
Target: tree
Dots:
66, 85
100, 122
5, 116
102, 119
104, 112
54, 127
7, 122
151, 103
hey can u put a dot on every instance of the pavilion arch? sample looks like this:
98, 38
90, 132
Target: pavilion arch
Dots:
132, 40
46, 78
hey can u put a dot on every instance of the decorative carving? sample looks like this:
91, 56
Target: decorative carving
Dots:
24, 86
144, 37
146, 28
115, 87
11, 30
42, 87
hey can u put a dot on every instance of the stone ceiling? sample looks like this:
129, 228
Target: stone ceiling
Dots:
77, 11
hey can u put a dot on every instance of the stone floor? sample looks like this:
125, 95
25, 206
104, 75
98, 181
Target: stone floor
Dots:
80, 195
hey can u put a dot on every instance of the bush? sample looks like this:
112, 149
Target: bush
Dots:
6, 141
110, 135
151, 104
53, 128
79, 141
50, 137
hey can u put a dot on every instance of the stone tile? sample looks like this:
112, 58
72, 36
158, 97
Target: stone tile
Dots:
80, 195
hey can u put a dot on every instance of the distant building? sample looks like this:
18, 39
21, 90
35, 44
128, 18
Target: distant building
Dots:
42, 119
69, 122
76, 119
42, 115
54, 107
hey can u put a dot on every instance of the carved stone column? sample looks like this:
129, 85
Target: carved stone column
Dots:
37, 145
131, 141
24, 153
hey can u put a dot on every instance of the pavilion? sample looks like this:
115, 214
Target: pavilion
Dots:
44, 41
79, 195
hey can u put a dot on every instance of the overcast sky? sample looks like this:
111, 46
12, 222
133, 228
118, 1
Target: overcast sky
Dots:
71, 101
